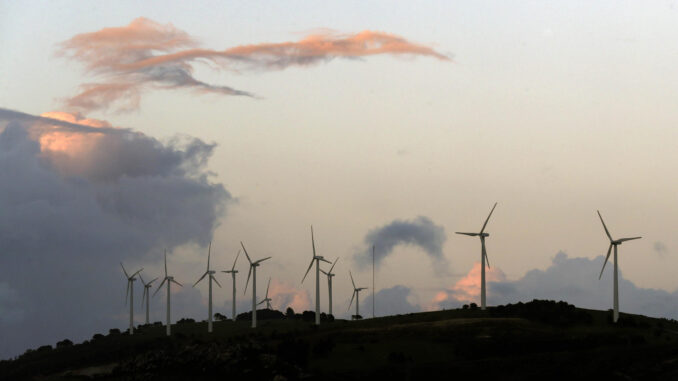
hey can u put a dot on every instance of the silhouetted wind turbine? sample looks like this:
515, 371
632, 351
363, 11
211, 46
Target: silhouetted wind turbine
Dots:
356, 294
329, 282
145, 295
130, 294
233, 271
253, 272
613, 243
267, 299
211, 278
317, 260
169, 280
483, 256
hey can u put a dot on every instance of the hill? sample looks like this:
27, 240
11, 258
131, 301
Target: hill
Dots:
514, 342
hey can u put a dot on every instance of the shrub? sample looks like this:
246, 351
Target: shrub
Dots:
64, 343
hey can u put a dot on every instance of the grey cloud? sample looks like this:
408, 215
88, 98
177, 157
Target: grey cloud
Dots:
420, 232
660, 248
66, 223
389, 301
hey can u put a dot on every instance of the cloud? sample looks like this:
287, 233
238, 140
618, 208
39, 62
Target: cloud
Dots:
77, 196
285, 295
390, 301
660, 248
574, 280
421, 232
146, 54
467, 289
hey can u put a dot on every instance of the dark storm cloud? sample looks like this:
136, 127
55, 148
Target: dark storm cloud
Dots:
67, 217
420, 232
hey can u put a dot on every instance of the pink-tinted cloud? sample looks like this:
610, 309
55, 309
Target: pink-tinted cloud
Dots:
467, 289
147, 54
285, 295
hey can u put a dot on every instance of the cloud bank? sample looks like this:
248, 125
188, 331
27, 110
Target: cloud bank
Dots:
77, 196
395, 300
574, 280
420, 232
143, 54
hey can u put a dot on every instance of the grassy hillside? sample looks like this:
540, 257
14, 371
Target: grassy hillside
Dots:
514, 342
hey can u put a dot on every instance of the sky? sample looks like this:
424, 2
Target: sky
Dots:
131, 129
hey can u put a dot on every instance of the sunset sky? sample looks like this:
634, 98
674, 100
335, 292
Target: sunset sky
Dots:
378, 122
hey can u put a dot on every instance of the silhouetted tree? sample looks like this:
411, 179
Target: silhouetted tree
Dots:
289, 313
220, 317
473, 306
113, 331
64, 343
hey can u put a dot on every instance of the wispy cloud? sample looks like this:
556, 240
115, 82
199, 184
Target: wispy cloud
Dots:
145, 54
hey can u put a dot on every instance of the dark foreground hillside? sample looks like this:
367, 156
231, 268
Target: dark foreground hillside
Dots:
538, 340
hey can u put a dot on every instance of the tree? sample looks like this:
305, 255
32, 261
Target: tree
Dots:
64, 343
289, 313
220, 317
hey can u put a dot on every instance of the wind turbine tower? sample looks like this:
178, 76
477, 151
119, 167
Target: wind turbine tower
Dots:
329, 283
130, 294
613, 243
211, 278
253, 273
483, 257
356, 294
169, 280
146, 295
233, 271
317, 260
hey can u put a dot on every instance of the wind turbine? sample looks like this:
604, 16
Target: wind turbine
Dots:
145, 295
356, 294
483, 256
615, 243
233, 271
169, 280
317, 260
267, 299
329, 282
130, 294
212, 278
253, 272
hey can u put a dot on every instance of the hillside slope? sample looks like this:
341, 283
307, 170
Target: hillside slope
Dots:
514, 342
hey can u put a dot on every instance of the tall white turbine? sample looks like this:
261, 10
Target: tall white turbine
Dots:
211, 278
130, 294
317, 260
267, 299
329, 283
483, 257
169, 280
356, 295
253, 273
233, 271
613, 243
146, 295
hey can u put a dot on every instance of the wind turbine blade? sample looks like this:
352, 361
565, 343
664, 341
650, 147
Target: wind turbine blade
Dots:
322, 271
325, 260
127, 292
307, 270
609, 250
142, 269
201, 278
159, 287
628, 239
165, 263
247, 255
349, 273
177, 283
123, 270
154, 279
267, 287
312, 241
488, 218
236, 260
335, 262
262, 302
605, 227
487, 259
469, 234
215, 280
142, 279
352, 296
248, 278
143, 295
209, 253
261, 260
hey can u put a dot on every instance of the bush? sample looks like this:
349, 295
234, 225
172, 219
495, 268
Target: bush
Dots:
113, 331
220, 317
97, 336
185, 320
64, 343
289, 313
